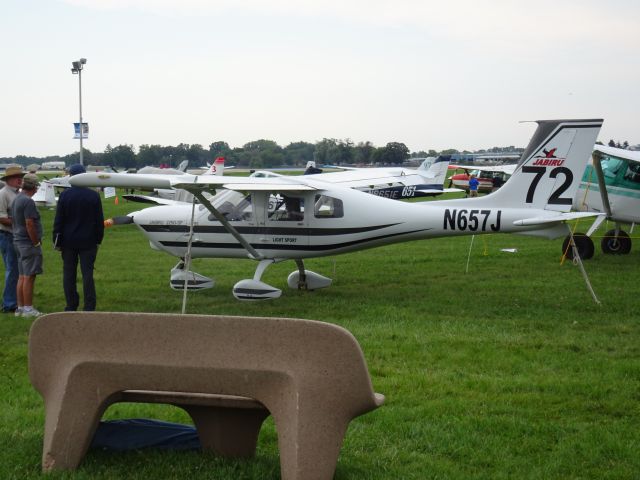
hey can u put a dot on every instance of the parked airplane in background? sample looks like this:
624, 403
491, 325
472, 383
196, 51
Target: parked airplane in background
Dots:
395, 182
182, 168
610, 185
293, 218
171, 196
46, 195
484, 175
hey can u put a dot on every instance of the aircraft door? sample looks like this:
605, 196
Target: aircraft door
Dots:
283, 221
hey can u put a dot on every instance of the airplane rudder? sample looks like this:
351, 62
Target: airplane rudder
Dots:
551, 168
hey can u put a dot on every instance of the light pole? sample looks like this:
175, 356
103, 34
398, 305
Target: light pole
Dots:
77, 68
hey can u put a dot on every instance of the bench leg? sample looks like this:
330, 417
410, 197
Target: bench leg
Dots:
309, 444
230, 432
71, 421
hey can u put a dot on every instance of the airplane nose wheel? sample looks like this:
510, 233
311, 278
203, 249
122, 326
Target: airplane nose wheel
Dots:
255, 289
613, 244
179, 275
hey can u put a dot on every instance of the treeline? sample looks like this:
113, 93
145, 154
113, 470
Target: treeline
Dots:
256, 154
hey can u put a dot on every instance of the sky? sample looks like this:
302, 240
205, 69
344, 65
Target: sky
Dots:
433, 75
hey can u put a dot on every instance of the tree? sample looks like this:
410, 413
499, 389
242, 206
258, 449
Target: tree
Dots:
363, 152
334, 152
299, 153
219, 149
122, 156
149, 155
263, 154
322, 150
197, 155
392, 152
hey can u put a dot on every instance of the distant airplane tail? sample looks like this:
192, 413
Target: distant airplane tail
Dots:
183, 165
216, 168
435, 169
549, 173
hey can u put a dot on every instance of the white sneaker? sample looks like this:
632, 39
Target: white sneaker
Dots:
31, 313
18, 312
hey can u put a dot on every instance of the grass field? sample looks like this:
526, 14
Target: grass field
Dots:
507, 371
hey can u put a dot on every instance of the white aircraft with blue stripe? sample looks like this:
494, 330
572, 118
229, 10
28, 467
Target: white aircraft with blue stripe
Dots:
396, 182
273, 219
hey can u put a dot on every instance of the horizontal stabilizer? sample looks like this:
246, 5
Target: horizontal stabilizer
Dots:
560, 217
439, 190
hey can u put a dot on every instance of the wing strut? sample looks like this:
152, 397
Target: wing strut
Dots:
597, 157
247, 246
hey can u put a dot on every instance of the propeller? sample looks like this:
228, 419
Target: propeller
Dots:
121, 220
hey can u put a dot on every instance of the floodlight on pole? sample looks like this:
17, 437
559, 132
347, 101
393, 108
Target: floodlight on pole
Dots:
77, 69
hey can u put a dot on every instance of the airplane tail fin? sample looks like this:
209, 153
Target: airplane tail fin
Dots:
551, 167
216, 168
183, 165
435, 169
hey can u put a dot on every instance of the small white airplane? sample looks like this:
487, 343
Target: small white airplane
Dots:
484, 174
611, 184
278, 218
395, 182
171, 196
182, 168
46, 195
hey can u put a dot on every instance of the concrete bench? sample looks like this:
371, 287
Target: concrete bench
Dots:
228, 373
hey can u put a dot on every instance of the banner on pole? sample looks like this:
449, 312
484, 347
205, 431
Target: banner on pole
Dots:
109, 192
85, 130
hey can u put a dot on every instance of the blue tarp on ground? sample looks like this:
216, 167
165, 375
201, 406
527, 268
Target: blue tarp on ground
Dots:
138, 433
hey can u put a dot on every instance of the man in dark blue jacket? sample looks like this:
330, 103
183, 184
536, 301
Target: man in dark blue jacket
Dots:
78, 229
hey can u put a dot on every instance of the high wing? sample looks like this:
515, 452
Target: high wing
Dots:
194, 183
631, 155
365, 177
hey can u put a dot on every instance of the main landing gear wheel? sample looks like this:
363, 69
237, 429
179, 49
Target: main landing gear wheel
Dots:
616, 244
306, 279
583, 243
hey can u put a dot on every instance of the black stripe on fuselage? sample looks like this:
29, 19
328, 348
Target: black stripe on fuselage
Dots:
270, 230
278, 246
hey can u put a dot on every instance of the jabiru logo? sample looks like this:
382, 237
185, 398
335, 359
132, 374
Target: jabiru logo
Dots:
548, 159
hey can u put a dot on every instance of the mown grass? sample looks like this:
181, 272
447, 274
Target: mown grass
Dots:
508, 371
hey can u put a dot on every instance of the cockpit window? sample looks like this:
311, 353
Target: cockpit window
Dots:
328, 207
234, 206
611, 166
283, 208
633, 172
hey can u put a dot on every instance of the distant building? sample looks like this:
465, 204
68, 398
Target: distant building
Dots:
487, 157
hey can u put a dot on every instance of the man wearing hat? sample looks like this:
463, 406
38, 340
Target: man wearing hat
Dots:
77, 231
27, 240
13, 180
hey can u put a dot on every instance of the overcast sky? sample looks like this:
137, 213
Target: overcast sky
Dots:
456, 74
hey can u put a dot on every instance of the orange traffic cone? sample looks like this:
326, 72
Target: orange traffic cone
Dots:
116, 200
